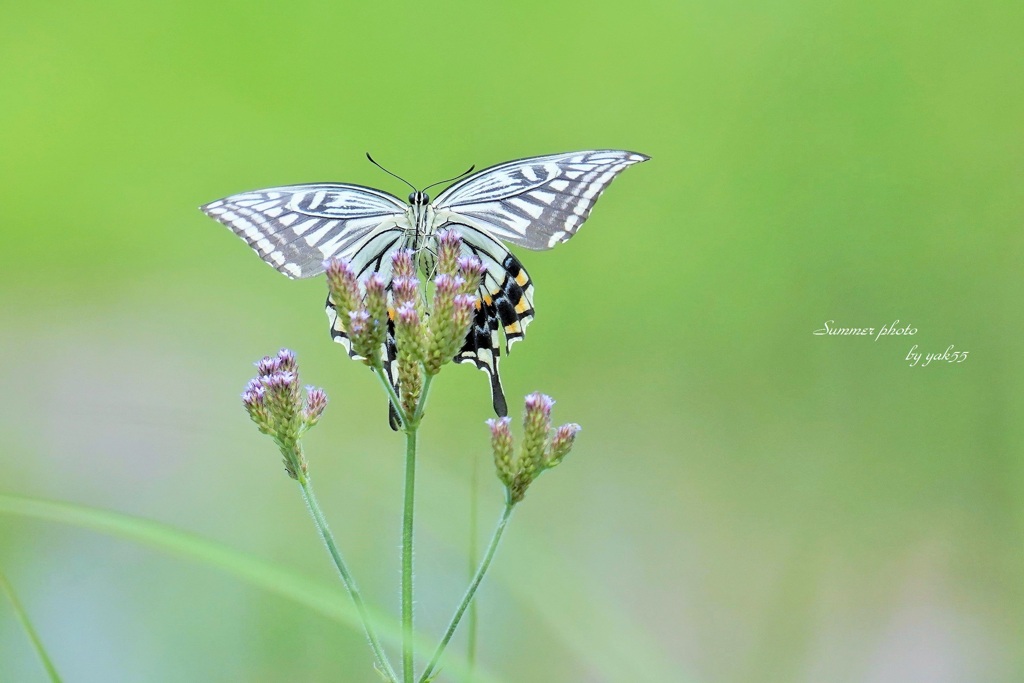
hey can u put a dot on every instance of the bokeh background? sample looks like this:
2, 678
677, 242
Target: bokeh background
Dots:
748, 501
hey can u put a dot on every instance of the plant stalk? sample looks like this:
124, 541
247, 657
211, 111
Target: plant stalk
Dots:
474, 532
396, 402
350, 584
407, 549
421, 406
411, 426
470, 592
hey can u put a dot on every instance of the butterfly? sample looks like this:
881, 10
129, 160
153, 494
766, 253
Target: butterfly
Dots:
535, 203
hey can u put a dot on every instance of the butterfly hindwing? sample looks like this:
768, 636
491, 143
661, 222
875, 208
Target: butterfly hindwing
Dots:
506, 285
481, 348
505, 303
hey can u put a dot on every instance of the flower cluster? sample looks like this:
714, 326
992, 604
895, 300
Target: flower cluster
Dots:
425, 336
542, 447
274, 402
406, 330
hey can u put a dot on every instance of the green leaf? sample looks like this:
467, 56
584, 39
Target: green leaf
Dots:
22, 615
326, 599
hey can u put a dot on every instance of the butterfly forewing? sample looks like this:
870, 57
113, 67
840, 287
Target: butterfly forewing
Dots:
537, 202
295, 228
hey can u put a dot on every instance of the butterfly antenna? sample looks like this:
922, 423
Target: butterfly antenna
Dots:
395, 175
441, 182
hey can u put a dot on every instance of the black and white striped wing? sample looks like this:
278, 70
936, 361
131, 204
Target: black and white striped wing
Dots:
537, 202
295, 228
506, 303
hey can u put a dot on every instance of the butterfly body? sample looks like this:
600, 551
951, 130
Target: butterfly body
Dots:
535, 203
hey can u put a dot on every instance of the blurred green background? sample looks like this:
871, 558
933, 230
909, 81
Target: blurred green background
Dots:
747, 502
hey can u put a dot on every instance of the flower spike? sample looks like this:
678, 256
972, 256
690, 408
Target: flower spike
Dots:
541, 449
274, 402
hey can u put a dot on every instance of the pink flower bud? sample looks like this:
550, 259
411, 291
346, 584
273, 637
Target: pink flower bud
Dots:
471, 268
449, 246
358, 323
266, 366
403, 263
375, 285
501, 445
540, 404
561, 444
377, 301
536, 427
447, 285
316, 402
405, 289
286, 360
407, 315
343, 286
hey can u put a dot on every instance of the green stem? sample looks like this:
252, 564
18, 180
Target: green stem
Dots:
346, 578
470, 592
378, 370
418, 415
26, 625
412, 427
407, 546
474, 532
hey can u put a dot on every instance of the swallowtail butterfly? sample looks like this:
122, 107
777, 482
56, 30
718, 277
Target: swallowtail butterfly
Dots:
534, 203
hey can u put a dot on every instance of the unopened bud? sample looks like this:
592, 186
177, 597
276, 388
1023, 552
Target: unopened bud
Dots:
449, 247
253, 399
343, 286
316, 402
443, 338
405, 290
403, 263
471, 268
536, 427
286, 361
410, 344
360, 331
376, 296
408, 332
282, 398
447, 286
377, 307
255, 386
407, 315
501, 445
266, 366
464, 307
561, 444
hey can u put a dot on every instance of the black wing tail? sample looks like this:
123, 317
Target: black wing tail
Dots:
507, 304
481, 349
